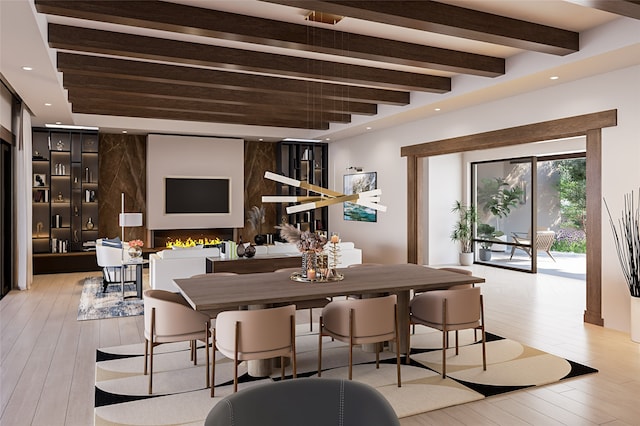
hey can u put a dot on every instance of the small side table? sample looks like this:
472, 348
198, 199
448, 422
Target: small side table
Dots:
139, 264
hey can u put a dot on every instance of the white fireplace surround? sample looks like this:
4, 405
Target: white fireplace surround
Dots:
190, 156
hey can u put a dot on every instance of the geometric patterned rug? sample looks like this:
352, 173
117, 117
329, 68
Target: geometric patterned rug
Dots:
94, 304
180, 396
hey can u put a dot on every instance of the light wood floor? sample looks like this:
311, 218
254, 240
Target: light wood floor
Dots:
47, 357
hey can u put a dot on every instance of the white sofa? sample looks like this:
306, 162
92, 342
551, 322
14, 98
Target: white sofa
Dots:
167, 265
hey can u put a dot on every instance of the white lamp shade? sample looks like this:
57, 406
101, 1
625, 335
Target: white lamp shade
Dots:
130, 219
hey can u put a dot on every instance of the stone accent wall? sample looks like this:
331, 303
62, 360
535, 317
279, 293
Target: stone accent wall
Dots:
122, 168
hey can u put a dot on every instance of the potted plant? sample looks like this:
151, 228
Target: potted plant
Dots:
487, 232
256, 217
463, 230
499, 199
627, 240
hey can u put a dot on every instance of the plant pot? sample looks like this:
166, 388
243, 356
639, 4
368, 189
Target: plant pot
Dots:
635, 319
485, 254
466, 259
260, 239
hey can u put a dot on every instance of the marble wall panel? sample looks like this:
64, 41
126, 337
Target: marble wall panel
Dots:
122, 168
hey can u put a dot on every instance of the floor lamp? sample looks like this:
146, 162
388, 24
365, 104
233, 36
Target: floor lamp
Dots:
127, 220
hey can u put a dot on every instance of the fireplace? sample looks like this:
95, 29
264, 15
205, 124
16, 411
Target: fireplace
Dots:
161, 236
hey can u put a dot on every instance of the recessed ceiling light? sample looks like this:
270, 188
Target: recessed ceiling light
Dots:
124, 131
327, 139
261, 139
369, 128
58, 122
26, 68
436, 109
554, 77
47, 104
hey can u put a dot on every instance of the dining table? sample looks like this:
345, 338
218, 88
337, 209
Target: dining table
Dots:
211, 293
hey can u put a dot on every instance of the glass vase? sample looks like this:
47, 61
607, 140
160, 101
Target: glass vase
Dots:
135, 252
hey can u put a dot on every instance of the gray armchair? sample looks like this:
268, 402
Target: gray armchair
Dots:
308, 401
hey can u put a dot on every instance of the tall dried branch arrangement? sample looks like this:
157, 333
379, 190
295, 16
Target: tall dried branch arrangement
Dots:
627, 241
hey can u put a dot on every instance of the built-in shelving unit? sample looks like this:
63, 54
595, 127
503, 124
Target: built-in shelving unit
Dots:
306, 162
65, 192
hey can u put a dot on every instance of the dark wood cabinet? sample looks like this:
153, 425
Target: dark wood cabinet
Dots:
306, 162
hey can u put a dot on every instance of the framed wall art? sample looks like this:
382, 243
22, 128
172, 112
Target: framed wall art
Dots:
354, 184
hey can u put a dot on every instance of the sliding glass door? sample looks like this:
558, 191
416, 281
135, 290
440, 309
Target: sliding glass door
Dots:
504, 193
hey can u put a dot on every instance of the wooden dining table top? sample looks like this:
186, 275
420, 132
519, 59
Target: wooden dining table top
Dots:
211, 292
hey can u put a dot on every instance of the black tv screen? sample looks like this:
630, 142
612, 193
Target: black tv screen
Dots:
196, 195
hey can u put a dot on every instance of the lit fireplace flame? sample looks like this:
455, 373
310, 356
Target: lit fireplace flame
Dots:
190, 242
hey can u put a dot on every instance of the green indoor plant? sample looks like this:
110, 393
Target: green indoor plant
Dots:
498, 198
488, 233
463, 230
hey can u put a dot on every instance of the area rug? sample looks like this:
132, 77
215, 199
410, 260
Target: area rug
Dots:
180, 396
95, 304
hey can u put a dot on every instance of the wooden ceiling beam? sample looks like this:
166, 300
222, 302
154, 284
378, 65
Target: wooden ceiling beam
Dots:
453, 21
628, 8
150, 48
104, 99
188, 115
150, 71
229, 26
151, 89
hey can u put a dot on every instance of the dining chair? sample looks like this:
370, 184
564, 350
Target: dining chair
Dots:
358, 322
305, 401
449, 310
169, 318
253, 335
307, 304
453, 287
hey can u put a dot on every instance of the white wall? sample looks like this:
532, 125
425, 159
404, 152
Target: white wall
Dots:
187, 156
380, 151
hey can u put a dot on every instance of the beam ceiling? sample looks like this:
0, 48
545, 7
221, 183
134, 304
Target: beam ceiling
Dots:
191, 62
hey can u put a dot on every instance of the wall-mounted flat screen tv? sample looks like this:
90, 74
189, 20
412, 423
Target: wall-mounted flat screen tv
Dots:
197, 195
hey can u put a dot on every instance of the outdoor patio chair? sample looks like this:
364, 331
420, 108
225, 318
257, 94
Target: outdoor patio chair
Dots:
544, 241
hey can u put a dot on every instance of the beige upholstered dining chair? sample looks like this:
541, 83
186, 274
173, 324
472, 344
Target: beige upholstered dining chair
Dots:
361, 321
449, 310
544, 241
453, 287
255, 334
307, 304
169, 318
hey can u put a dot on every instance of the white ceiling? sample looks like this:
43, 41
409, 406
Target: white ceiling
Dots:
607, 42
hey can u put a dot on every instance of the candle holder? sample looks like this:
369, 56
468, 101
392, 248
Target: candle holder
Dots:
334, 257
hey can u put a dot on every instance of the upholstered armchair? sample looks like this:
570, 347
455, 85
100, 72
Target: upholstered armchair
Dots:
449, 310
109, 256
361, 321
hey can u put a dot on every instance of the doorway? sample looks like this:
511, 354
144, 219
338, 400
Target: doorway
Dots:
6, 218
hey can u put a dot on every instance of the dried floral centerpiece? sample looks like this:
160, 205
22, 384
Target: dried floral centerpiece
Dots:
310, 244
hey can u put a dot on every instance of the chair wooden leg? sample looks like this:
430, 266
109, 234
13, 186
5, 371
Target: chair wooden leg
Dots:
310, 319
293, 347
146, 354
351, 315
213, 361
151, 342
235, 359
282, 367
445, 334
378, 356
206, 348
321, 326
397, 341
457, 352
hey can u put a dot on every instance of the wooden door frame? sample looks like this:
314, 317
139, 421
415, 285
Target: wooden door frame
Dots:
588, 125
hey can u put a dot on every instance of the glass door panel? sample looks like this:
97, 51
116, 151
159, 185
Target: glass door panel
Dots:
504, 194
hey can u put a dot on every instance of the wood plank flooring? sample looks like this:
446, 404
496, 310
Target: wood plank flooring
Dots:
47, 357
